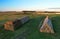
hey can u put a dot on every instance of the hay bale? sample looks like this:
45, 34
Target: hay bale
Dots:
12, 25
24, 19
47, 26
9, 26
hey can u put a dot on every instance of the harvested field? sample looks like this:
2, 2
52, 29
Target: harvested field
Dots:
30, 30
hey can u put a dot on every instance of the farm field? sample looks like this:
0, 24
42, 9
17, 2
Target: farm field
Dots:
30, 30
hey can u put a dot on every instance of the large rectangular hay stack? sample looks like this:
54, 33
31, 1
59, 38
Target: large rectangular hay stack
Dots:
12, 25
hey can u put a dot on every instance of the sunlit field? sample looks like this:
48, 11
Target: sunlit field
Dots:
30, 30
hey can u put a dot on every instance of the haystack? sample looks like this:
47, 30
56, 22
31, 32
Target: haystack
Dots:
47, 26
9, 25
14, 24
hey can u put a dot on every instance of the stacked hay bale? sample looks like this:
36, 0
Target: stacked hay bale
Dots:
47, 26
12, 25
9, 25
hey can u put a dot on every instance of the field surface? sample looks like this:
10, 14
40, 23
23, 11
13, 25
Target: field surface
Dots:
30, 30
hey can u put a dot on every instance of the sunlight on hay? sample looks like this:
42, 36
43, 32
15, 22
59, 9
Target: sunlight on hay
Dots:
47, 26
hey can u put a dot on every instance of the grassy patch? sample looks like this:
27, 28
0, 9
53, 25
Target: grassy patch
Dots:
30, 30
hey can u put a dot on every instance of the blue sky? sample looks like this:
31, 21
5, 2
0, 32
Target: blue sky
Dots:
17, 5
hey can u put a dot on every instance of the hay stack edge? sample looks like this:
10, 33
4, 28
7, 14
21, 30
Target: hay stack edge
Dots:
47, 26
12, 25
